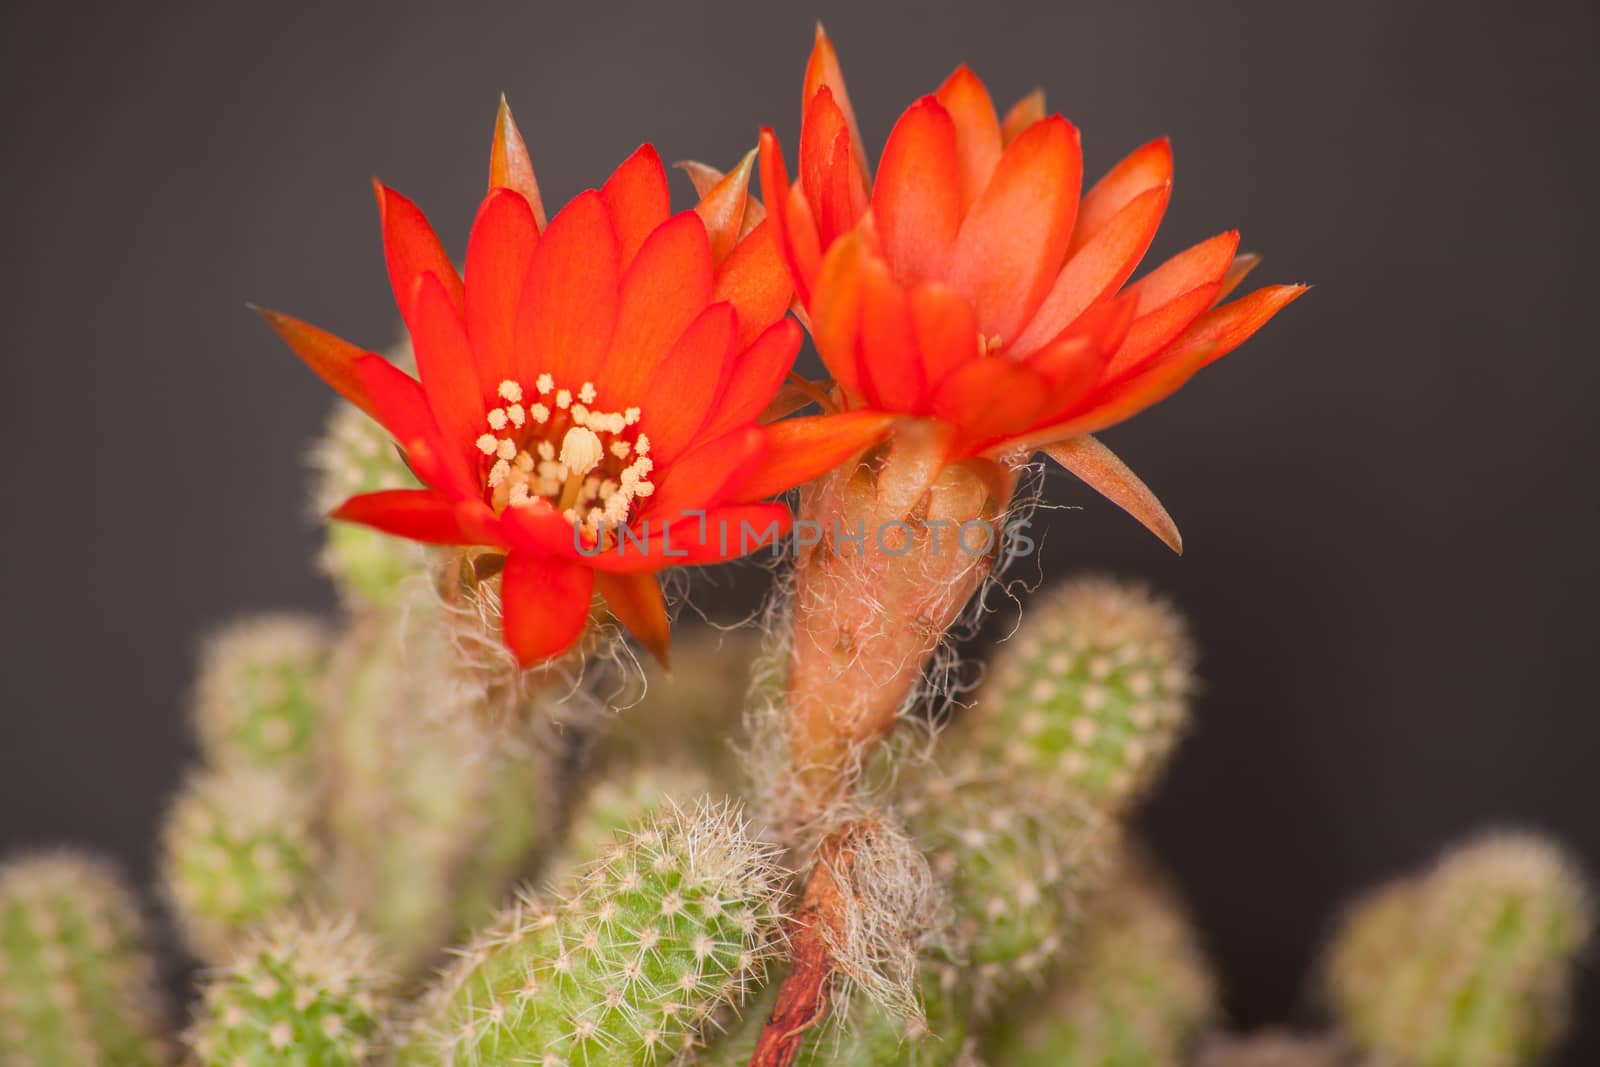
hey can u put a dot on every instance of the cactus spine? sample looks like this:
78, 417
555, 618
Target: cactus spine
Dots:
1469, 964
77, 984
297, 992
669, 928
238, 847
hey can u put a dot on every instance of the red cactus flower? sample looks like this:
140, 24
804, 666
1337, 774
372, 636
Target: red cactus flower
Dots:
605, 370
968, 283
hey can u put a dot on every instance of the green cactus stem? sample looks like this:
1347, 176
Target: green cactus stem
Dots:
238, 846
297, 993
669, 928
258, 697
77, 983
1468, 964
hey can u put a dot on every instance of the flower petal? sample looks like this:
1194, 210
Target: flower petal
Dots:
1241, 266
830, 173
722, 202
1097, 269
445, 364
823, 72
545, 605
1203, 264
977, 130
1106, 474
988, 400
799, 450
1148, 167
498, 254
891, 366
706, 475
332, 358
1015, 236
412, 250
917, 198
836, 311
509, 165
1157, 328
666, 286
637, 603
403, 409
677, 399
569, 301
637, 198
417, 514
755, 279
1023, 113
946, 331
756, 377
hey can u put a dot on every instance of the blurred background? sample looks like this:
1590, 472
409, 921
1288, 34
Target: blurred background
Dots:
1387, 497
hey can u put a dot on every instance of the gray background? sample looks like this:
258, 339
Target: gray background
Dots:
1387, 497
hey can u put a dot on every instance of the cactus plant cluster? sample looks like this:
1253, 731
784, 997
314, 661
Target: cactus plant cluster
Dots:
371, 794
460, 825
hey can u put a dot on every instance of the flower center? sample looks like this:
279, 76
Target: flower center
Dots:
591, 465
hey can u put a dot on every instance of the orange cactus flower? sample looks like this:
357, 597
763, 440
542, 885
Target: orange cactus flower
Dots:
599, 374
967, 282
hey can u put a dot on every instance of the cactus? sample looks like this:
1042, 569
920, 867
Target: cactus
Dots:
77, 984
356, 455
257, 699
1067, 733
238, 847
431, 815
1134, 994
297, 992
670, 927
622, 803
1091, 694
1468, 964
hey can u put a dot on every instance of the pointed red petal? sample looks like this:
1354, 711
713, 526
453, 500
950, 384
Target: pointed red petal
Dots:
917, 197
1107, 475
1146, 168
546, 605
332, 358
756, 377
418, 514
1222, 329
637, 603
676, 400
755, 279
947, 333
412, 250
665, 288
1157, 328
722, 202
1013, 240
706, 475
830, 173
1097, 269
823, 72
498, 255
398, 401
891, 366
977, 130
636, 196
796, 234
1023, 113
1238, 270
569, 301
836, 311
445, 364
988, 400
799, 450
509, 165
1203, 264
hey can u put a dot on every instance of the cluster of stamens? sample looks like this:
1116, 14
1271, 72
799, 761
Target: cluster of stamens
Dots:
591, 465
